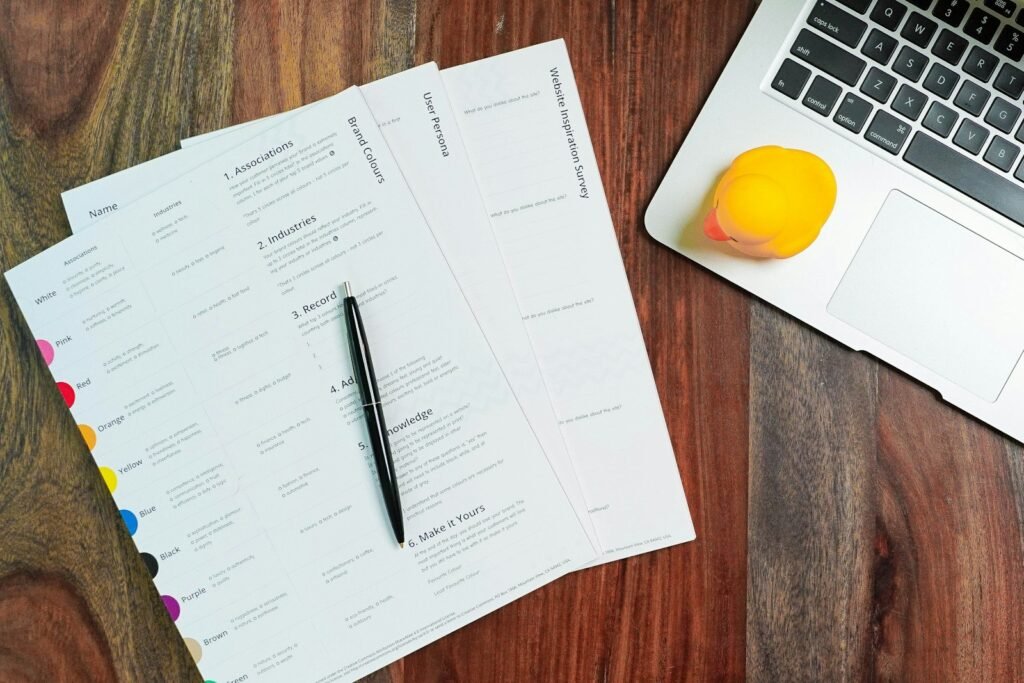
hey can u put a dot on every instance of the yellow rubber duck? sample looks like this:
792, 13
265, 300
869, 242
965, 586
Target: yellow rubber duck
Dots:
772, 202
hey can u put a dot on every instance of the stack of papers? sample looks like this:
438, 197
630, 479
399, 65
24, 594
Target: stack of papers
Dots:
192, 324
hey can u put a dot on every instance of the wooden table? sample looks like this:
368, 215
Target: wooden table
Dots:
850, 525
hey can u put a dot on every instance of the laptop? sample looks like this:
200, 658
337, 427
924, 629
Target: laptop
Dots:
916, 105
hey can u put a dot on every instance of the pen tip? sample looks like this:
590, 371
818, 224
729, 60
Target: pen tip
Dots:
401, 545
348, 289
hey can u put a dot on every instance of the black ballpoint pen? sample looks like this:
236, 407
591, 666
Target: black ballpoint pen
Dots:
362, 368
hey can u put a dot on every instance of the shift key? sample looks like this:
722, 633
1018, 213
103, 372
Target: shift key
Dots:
828, 57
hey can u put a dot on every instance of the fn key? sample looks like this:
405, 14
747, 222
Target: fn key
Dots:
791, 79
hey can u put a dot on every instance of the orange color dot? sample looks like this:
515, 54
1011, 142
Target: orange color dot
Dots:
89, 435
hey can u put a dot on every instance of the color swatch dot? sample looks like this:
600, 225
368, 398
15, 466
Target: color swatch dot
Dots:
130, 521
46, 349
89, 435
172, 607
151, 564
109, 478
194, 649
67, 392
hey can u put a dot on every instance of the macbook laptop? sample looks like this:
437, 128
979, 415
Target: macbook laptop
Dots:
917, 107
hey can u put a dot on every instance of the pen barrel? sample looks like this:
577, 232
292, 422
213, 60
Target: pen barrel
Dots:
362, 363
366, 380
385, 469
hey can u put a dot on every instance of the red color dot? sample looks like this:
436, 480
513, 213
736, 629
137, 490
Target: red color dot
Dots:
67, 392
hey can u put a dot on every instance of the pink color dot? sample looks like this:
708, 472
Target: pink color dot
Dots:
46, 349
172, 607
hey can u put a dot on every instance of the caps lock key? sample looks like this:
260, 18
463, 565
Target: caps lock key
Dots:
837, 23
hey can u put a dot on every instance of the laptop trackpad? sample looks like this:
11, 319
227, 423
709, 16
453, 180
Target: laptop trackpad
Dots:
939, 294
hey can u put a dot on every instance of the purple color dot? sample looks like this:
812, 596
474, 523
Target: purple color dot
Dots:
172, 607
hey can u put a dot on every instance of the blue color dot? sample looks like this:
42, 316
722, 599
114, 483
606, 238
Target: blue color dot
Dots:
130, 521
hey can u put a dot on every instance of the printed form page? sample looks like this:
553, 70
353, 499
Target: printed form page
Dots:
196, 339
418, 123
522, 122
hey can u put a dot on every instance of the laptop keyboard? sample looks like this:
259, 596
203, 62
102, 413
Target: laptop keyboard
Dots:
936, 83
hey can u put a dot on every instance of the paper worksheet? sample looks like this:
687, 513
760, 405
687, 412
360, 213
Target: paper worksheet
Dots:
418, 123
522, 122
196, 340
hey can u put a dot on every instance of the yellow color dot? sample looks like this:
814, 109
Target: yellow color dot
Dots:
194, 649
89, 435
109, 478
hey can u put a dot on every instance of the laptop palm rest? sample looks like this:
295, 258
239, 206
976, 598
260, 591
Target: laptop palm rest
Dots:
937, 293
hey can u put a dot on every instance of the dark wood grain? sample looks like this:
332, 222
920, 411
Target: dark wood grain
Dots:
88, 88
882, 538
812, 443
48, 633
949, 519
885, 530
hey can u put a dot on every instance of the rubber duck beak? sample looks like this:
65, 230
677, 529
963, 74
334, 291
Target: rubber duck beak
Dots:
713, 230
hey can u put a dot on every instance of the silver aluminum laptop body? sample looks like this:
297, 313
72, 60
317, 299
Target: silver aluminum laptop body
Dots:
920, 263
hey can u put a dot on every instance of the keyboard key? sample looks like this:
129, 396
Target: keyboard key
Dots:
981, 26
878, 85
941, 81
888, 132
1004, 7
1002, 115
1010, 43
971, 98
980, 64
791, 79
977, 182
923, 4
828, 57
910, 64
940, 119
853, 113
1002, 153
888, 14
822, 95
857, 5
909, 102
919, 29
1020, 133
879, 46
837, 23
950, 47
971, 136
1010, 81
951, 11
